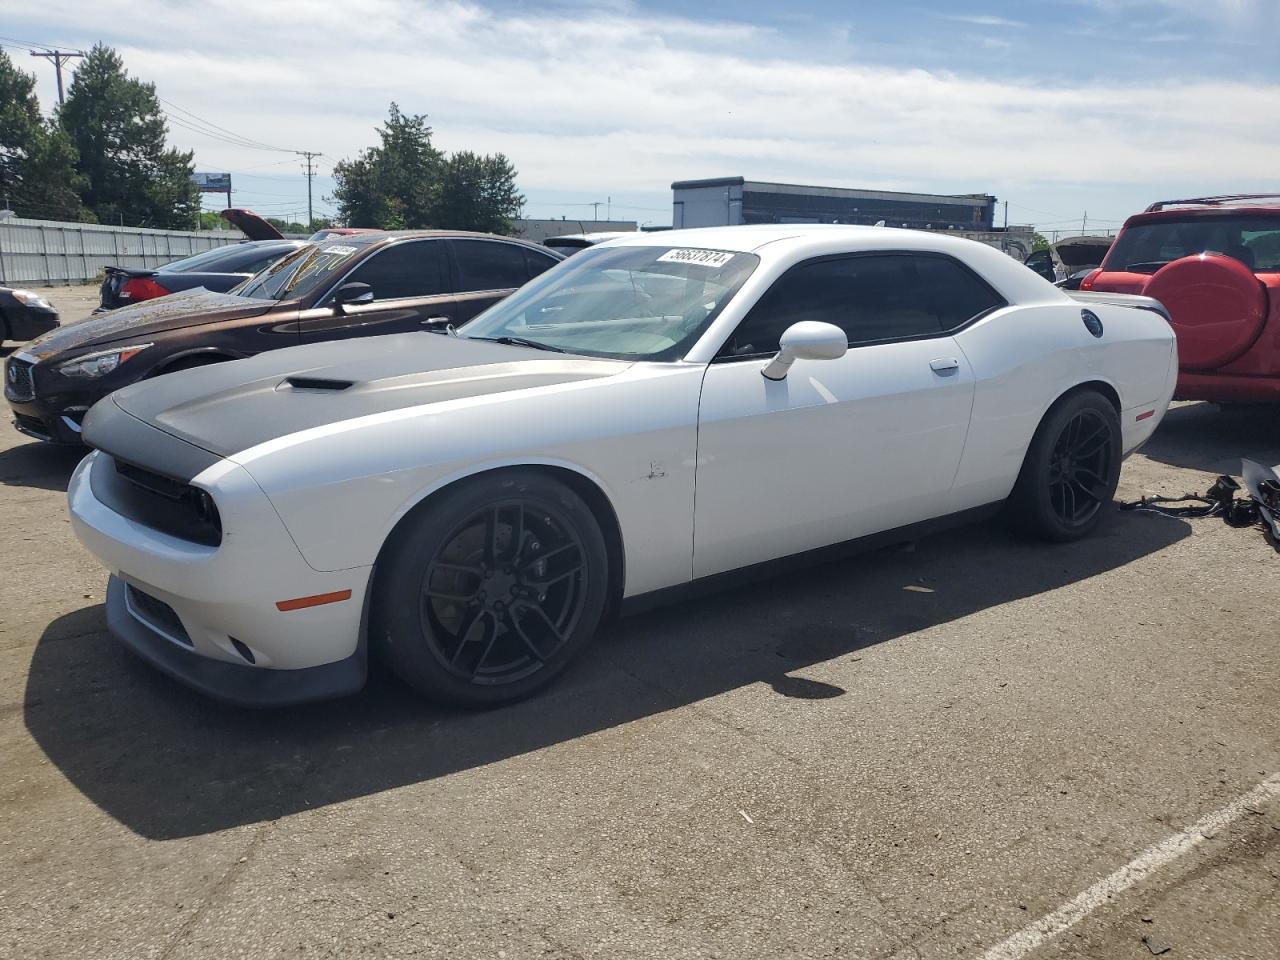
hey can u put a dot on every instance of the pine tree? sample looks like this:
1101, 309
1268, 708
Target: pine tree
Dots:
38, 176
119, 131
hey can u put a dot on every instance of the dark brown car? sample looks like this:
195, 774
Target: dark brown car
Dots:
351, 286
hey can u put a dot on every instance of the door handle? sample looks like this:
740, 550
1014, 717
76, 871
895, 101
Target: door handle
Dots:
944, 365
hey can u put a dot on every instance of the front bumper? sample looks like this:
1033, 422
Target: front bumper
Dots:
207, 615
47, 405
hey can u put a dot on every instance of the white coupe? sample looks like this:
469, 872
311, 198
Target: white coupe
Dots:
656, 411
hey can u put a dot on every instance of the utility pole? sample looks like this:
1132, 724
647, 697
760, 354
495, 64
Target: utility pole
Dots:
608, 210
310, 175
595, 210
1006, 214
59, 57
1083, 221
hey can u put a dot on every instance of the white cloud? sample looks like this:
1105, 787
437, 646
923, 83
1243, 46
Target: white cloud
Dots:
610, 100
982, 20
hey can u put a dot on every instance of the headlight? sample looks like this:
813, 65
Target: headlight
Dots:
31, 299
102, 363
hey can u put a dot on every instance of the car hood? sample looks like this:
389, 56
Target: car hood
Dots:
230, 407
140, 320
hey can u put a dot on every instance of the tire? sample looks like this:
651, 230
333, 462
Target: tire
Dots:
1071, 469
487, 593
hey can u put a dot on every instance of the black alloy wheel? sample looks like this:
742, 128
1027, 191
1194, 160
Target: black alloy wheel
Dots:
504, 592
1079, 468
489, 590
1071, 469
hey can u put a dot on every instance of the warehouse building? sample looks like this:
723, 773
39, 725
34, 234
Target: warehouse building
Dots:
729, 201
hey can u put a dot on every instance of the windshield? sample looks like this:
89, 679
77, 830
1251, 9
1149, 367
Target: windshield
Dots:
1146, 247
300, 273
629, 303
204, 259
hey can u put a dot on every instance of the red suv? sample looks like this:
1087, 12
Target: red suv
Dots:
1214, 263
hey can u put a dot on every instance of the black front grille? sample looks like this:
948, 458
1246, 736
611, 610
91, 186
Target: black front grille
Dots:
18, 382
157, 615
157, 501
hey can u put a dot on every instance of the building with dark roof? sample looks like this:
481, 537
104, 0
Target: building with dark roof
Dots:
729, 201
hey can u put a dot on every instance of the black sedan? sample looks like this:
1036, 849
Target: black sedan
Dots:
218, 270
24, 315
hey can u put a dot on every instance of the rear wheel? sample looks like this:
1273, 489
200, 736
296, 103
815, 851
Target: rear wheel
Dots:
1071, 469
488, 593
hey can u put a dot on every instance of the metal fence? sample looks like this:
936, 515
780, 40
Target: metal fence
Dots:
49, 252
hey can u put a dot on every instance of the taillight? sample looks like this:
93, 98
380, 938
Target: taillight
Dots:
1090, 279
141, 288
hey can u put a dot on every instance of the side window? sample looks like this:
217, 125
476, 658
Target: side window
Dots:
490, 265
255, 265
536, 263
951, 292
414, 269
872, 298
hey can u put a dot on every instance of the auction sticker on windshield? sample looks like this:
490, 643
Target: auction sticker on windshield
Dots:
703, 258
339, 249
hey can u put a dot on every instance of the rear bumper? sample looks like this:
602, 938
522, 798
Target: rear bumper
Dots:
27, 323
1227, 389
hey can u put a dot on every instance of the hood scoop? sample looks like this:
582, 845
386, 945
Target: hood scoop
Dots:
318, 383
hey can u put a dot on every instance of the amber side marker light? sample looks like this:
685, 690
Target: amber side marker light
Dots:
300, 603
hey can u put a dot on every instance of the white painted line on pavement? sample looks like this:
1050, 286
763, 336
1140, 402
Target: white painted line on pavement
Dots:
1150, 860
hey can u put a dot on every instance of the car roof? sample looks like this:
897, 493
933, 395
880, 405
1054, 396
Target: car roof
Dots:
791, 243
382, 235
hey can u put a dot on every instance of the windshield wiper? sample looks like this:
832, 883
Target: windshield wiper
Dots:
521, 342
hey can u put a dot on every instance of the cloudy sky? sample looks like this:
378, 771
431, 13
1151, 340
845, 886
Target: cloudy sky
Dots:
1058, 106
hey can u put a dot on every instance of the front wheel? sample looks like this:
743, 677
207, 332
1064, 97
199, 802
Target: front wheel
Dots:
1071, 469
491, 590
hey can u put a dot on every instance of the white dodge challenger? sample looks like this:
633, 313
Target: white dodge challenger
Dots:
656, 411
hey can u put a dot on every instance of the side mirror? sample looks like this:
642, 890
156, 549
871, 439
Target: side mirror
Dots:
352, 293
806, 340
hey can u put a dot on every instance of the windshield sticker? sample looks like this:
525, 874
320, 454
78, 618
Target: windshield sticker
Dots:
339, 249
703, 258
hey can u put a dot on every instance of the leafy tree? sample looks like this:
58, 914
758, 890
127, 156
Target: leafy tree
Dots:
1038, 242
478, 193
392, 185
405, 182
116, 125
37, 162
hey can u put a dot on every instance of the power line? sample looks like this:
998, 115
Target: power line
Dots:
229, 135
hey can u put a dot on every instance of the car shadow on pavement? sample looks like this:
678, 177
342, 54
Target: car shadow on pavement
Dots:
1204, 436
41, 466
169, 763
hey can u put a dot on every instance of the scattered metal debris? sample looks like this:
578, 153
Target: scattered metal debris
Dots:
1261, 507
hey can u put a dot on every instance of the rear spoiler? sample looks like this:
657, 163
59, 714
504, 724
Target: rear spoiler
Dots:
1119, 300
130, 271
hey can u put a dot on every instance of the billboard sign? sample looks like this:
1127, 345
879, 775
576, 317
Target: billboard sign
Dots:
212, 182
